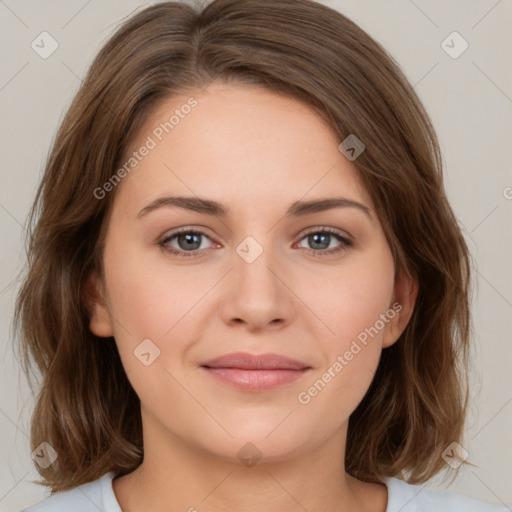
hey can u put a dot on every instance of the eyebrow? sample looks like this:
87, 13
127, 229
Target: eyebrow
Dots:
209, 207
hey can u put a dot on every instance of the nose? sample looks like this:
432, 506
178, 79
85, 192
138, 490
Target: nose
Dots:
256, 294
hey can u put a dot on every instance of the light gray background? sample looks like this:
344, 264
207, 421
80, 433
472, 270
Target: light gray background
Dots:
468, 98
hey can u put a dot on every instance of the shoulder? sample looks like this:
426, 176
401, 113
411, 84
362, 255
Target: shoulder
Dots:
90, 497
406, 497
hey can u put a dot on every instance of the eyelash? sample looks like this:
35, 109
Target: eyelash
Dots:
345, 242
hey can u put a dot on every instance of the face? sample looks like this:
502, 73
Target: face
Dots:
265, 267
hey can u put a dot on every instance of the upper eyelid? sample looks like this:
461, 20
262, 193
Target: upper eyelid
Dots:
338, 231
180, 231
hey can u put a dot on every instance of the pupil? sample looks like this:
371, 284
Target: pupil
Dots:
315, 240
191, 239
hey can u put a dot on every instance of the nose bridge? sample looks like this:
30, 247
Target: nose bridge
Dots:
253, 264
258, 296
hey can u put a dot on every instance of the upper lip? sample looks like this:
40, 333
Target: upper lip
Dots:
246, 361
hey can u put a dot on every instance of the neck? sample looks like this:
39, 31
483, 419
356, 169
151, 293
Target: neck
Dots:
177, 476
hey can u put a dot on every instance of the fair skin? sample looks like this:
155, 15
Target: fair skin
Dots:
256, 153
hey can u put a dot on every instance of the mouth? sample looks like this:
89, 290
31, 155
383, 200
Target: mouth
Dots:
255, 373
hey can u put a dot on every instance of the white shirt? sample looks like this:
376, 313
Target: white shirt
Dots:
402, 497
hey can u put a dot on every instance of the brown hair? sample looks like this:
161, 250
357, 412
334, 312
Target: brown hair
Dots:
86, 408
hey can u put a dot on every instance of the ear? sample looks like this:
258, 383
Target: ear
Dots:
404, 299
100, 322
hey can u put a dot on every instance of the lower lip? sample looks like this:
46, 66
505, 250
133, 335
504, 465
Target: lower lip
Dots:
255, 380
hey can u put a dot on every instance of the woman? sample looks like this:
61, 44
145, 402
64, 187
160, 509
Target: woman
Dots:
246, 288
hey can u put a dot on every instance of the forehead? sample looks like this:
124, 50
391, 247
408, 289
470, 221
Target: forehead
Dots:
234, 141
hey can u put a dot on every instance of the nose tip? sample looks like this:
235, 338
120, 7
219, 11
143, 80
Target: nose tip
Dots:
258, 325
257, 298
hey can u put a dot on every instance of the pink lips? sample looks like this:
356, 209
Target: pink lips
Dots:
250, 372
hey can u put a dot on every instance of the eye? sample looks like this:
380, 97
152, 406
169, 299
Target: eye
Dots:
320, 241
189, 242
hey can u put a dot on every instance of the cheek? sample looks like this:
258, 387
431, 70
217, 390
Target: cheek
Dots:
153, 299
357, 308
352, 297
148, 295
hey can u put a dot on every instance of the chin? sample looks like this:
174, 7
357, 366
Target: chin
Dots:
253, 450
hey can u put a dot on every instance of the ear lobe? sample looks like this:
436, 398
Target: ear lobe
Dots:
100, 322
404, 299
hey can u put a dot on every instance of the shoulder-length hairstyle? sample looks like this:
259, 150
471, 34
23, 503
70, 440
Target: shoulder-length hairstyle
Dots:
86, 408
